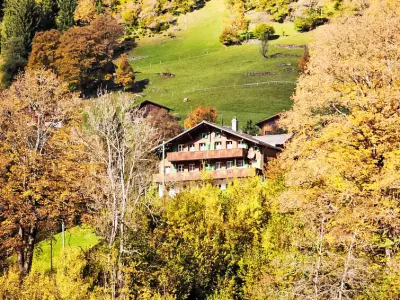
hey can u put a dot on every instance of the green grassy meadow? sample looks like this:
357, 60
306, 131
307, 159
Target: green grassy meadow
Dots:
208, 73
75, 238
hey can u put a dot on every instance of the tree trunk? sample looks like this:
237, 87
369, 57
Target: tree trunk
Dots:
25, 251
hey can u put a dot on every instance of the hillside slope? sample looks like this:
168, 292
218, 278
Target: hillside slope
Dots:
199, 68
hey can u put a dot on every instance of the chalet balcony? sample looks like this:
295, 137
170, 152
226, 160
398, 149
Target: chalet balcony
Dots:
194, 176
208, 154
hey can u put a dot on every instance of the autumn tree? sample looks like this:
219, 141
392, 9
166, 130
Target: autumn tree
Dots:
235, 22
44, 48
166, 123
86, 53
85, 11
40, 162
199, 114
119, 140
65, 17
341, 168
125, 75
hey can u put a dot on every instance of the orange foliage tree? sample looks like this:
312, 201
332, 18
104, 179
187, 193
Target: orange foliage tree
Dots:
82, 56
86, 52
41, 164
125, 74
199, 114
44, 47
166, 123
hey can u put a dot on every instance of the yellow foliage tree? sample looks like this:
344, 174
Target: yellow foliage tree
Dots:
342, 166
125, 73
85, 11
42, 165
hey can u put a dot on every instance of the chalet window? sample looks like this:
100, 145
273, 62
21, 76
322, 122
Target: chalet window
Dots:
209, 167
167, 170
181, 148
229, 164
181, 168
218, 134
218, 165
192, 168
192, 147
203, 147
242, 144
229, 145
204, 135
240, 163
218, 145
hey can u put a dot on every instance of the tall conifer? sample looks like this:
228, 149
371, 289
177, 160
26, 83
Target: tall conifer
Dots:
66, 11
21, 20
20, 23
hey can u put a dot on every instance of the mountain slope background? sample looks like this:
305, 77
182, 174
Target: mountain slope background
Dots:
188, 61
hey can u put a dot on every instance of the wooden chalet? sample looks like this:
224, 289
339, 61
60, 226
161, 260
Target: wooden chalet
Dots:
222, 152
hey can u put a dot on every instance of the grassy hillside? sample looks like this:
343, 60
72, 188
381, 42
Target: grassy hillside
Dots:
77, 237
211, 74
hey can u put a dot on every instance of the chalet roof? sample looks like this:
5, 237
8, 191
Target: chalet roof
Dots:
225, 129
146, 102
274, 139
277, 116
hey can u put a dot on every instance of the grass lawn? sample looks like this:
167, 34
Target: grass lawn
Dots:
77, 237
208, 73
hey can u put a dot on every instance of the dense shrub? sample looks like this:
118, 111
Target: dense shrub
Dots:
262, 29
308, 23
228, 37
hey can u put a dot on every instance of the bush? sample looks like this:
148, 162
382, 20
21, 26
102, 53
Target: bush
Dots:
309, 23
262, 29
228, 37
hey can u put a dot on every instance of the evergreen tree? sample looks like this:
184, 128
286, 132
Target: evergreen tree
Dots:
66, 12
22, 20
251, 128
20, 23
48, 10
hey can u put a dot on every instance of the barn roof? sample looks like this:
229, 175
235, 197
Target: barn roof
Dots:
274, 117
147, 102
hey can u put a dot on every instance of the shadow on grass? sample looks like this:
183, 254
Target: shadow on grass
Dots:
140, 85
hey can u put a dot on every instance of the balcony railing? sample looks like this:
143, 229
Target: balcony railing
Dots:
193, 176
207, 154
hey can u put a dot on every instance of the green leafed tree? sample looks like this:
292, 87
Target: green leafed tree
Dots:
65, 18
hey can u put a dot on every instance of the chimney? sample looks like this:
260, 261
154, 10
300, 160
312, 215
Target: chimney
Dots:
235, 124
